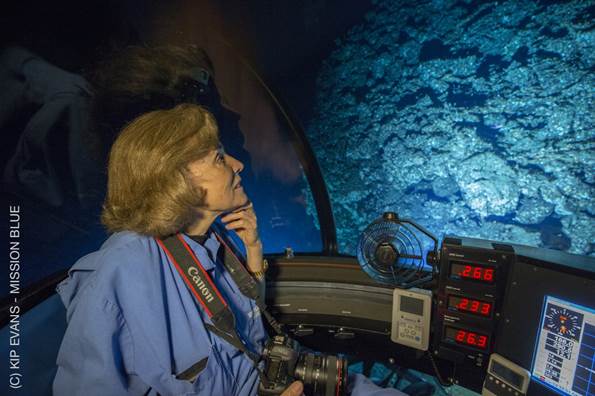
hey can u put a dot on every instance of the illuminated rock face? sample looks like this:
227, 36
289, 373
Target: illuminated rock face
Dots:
474, 120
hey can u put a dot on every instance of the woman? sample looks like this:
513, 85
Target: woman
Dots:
133, 325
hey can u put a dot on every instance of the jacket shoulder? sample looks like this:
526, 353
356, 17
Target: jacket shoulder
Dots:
125, 261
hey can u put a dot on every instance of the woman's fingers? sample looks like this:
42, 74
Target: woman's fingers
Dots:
239, 215
247, 206
241, 223
246, 230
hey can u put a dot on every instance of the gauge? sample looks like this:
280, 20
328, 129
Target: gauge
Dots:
470, 305
562, 321
466, 337
473, 272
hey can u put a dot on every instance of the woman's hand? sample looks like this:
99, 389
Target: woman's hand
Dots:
243, 222
295, 389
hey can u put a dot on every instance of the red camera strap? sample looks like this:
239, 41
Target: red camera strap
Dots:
203, 289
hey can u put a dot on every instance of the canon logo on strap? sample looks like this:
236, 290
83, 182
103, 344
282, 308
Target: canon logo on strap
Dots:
194, 275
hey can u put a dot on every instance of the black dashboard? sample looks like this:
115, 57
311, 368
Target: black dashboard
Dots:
487, 298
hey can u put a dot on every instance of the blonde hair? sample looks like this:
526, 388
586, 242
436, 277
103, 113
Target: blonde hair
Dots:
147, 190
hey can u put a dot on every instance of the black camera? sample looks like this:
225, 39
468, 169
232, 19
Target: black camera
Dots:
322, 375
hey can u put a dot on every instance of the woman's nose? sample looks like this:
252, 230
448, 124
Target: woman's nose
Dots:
236, 165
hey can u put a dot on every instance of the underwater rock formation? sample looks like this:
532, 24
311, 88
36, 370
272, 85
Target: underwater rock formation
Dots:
471, 118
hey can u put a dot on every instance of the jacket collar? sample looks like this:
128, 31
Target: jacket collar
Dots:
207, 252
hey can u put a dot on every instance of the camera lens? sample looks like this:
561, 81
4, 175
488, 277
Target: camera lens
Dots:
322, 375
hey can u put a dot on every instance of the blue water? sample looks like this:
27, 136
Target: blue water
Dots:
472, 118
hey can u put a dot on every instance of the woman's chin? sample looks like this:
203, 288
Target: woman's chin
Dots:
239, 201
245, 200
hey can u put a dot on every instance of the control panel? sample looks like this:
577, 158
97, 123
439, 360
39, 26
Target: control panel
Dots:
472, 282
505, 378
412, 309
564, 357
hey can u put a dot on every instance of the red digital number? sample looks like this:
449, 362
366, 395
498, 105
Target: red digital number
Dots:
485, 308
471, 340
476, 273
466, 272
488, 274
463, 304
475, 306
461, 335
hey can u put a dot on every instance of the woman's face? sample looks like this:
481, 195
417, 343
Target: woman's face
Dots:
218, 174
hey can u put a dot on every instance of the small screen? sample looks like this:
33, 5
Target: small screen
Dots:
473, 272
412, 305
466, 337
470, 305
564, 358
507, 375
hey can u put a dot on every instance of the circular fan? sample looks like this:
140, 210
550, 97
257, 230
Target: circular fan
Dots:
390, 252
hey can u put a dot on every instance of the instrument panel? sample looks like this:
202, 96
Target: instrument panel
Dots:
530, 306
488, 298
469, 296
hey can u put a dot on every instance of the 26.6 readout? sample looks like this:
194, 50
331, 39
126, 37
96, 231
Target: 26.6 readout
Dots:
473, 272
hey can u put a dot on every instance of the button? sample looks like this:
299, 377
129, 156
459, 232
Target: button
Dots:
491, 378
497, 382
503, 385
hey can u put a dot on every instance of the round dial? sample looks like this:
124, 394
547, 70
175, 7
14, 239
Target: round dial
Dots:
563, 321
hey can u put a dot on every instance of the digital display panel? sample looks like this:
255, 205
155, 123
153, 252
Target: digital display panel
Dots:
564, 358
478, 273
470, 305
466, 337
507, 374
412, 305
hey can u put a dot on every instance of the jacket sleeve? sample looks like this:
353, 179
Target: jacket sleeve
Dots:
94, 353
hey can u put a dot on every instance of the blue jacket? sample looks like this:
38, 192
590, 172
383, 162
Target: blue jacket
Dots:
133, 325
